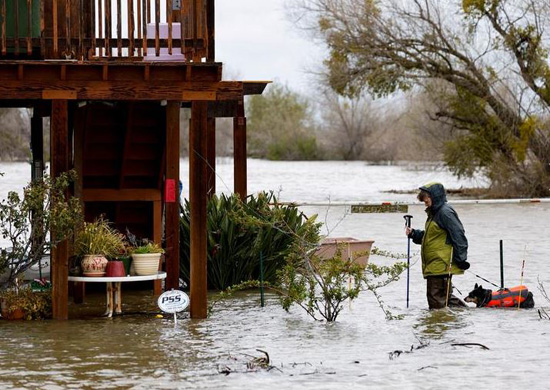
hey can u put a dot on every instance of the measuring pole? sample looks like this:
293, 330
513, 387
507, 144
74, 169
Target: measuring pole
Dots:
501, 266
408, 224
261, 279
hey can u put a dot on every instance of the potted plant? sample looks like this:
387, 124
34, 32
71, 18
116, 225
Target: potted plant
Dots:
24, 303
96, 242
146, 258
126, 258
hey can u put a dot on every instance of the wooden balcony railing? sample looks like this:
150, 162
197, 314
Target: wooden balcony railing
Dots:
149, 30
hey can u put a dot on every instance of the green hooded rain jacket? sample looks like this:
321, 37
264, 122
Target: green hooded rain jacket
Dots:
442, 237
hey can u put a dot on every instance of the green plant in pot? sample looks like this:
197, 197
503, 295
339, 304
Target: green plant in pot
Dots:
95, 243
146, 258
125, 257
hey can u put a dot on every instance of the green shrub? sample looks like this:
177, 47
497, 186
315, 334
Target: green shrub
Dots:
35, 223
238, 233
35, 305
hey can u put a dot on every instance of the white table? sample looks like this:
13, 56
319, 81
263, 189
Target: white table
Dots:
114, 290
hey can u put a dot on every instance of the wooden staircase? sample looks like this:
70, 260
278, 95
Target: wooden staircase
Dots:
119, 154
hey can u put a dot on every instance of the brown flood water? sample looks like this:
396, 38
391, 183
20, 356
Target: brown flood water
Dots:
140, 351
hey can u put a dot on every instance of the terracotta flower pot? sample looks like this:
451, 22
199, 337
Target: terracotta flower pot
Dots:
146, 263
115, 269
94, 265
14, 314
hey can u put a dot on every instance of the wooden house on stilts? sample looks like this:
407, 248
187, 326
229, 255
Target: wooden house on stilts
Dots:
112, 75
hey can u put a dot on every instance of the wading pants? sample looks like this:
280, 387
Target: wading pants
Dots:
437, 287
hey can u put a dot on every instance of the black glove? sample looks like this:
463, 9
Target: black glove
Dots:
463, 265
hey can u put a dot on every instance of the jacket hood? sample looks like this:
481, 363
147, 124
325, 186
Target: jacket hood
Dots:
437, 193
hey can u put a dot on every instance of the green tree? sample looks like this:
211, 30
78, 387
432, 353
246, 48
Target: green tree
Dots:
280, 126
489, 57
44, 217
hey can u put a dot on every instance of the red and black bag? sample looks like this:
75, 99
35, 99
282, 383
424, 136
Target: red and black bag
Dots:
511, 297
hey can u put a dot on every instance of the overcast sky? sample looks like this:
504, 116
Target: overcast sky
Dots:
256, 41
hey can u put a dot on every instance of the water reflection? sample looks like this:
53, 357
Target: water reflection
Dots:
433, 324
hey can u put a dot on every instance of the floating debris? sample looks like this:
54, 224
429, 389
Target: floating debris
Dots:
470, 345
398, 352
423, 368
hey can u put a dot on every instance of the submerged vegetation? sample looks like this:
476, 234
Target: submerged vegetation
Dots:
240, 236
293, 269
26, 303
321, 286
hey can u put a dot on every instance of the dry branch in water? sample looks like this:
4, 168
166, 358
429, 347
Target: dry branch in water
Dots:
470, 345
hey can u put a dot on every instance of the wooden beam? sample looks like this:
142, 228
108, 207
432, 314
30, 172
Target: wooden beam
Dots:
211, 157
120, 90
254, 87
122, 195
223, 109
198, 199
172, 220
59, 136
239, 153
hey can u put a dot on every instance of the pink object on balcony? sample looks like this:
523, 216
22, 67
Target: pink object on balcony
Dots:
163, 32
349, 247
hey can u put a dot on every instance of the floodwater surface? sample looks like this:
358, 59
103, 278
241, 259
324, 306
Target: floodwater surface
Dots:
361, 350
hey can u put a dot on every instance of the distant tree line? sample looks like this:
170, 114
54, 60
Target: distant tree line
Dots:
284, 125
483, 63
464, 81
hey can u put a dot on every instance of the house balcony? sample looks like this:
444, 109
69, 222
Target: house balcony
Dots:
107, 30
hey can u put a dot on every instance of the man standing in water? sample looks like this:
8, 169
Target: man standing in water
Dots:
444, 246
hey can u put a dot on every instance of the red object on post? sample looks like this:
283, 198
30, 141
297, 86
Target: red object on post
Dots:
170, 191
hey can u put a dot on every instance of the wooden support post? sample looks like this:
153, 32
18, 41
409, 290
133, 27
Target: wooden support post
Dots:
83, 113
211, 157
197, 184
37, 147
239, 152
157, 237
210, 23
59, 136
172, 222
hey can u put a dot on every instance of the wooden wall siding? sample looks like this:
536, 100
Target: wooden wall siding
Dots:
93, 29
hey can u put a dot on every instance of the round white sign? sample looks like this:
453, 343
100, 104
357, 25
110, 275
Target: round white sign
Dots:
173, 301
